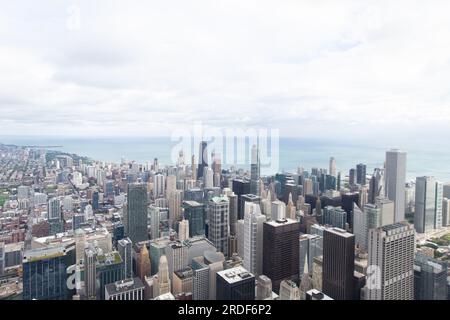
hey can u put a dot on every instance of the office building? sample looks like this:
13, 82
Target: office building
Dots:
391, 257
129, 289
136, 217
218, 223
395, 179
235, 284
194, 213
255, 171
430, 278
338, 263
45, 273
203, 159
281, 250
428, 204
253, 238
361, 174
125, 248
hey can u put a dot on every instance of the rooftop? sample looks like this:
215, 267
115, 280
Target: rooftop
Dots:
235, 274
124, 286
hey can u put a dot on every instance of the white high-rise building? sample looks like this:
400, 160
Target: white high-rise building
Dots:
159, 186
363, 221
171, 184
253, 238
387, 208
161, 281
183, 230
208, 178
175, 200
278, 210
155, 219
77, 178
391, 262
396, 180
333, 167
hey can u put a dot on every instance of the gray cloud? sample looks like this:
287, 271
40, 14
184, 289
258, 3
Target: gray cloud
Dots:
146, 68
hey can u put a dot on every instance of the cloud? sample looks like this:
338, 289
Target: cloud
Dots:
315, 69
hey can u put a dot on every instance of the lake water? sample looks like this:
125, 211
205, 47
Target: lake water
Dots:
293, 152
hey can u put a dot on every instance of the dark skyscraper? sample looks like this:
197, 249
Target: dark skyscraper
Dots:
136, 218
235, 284
361, 174
430, 278
202, 159
45, 273
352, 177
240, 187
338, 263
281, 250
194, 213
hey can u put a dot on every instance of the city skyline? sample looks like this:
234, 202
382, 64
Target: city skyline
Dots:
241, 151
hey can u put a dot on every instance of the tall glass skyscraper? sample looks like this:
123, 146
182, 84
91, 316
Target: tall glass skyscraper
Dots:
136, 218
45, 273
396, 180
203, 159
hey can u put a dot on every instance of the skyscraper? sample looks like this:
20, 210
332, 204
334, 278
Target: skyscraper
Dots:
218, 223
159, 185
155, 219
203, 159
281, 250
396, 180
235, 284
175, 199
124, 246
255, 168
430, 278
352, 177
45, 273
446, 212
161, 282
338, 264
361, 173
391, 259
253, 238
194, 213
208, 178
376, 185
428, 204
364, 220
136, 218
90, 273
333, 167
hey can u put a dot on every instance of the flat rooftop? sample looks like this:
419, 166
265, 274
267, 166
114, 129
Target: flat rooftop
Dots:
236, 274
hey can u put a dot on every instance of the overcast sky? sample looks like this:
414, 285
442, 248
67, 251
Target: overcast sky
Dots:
309, 68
